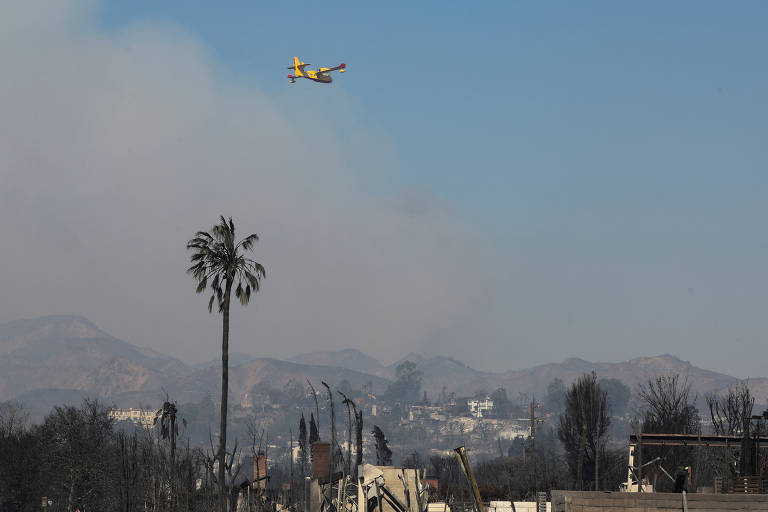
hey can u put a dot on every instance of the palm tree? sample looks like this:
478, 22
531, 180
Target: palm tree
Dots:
218, 258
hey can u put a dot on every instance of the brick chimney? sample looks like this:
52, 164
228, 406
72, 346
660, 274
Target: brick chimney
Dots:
321, 460
260, 470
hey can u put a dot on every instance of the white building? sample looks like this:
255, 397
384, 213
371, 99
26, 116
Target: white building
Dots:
479, 407
139, 417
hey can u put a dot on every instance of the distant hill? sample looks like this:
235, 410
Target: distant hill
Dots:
348, 358
440, 372
39, 402
70, 352
759, 388
60, 359
268, 373
632, 373
235, 359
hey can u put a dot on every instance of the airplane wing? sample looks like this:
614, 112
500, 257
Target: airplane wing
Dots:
341, 67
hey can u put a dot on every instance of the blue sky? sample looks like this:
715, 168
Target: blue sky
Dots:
514, 112
593, 174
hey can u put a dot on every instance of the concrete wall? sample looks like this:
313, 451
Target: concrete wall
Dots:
517, 506
585, 501
395, 485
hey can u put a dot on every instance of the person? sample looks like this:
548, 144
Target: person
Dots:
681, 479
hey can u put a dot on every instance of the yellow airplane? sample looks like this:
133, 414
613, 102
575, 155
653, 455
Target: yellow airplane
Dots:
321, 75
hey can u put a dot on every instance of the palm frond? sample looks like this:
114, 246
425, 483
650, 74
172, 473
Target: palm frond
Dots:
218, 261
247, 242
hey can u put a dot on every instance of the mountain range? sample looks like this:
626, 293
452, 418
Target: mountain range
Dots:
60, 359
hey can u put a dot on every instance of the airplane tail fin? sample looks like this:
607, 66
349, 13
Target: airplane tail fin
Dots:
298, 67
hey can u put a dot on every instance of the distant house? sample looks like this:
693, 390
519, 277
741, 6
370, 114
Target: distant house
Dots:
478, 408
139, 417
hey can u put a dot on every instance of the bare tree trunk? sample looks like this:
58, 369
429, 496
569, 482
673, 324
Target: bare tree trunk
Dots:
331, 461
71, 494
597, 443
349, 403
317, 407
222, 457
349, 441
358, 440
172, 469
333, 429
582, 442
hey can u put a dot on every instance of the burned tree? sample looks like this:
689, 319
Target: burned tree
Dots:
303, 459
169, 431
383, 453
732, 415
669, 406
582, 428
669, 409
333, 430
314, 433
317, 410
358, 439
729, 412
348, 460
76, 441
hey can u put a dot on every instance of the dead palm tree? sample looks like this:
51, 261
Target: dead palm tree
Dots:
219, 262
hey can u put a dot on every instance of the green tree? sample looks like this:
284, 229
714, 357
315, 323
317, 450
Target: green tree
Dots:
345, 388
618, 395
501, 405
219, 261
407, 383
554, 400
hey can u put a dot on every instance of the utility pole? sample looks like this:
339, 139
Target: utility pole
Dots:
533, 420
533, 443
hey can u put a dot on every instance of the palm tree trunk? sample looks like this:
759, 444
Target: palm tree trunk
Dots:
223, 501
349, 442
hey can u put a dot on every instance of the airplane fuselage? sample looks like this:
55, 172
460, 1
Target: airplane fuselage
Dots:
316, 75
